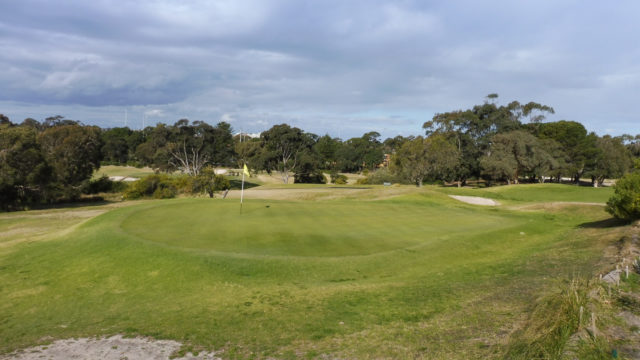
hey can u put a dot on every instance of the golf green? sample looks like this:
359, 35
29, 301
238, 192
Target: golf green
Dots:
319, 229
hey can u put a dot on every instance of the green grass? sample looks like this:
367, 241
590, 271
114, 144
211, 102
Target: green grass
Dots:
417, 276
336, 228
537, 193
127, 171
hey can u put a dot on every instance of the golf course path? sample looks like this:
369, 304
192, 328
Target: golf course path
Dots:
112, 348
475, 200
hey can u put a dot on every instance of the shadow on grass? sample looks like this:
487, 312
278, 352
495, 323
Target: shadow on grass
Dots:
603, 224
237, 184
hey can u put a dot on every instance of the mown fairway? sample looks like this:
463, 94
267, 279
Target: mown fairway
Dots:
419, 275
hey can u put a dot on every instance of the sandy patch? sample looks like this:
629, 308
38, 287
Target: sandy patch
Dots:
113, 348
475, 200
123, 178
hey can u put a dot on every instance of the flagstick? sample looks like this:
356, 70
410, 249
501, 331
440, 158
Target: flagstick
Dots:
242, 192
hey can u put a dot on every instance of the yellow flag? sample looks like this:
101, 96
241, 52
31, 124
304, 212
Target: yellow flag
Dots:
246, 170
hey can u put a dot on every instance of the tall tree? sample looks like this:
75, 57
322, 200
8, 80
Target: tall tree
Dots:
327, 149
613, 160
434, 157
284, 145
193, 146
471, 130
24, 174
115, 148
578, 145
515, 154
73, 152
361, 153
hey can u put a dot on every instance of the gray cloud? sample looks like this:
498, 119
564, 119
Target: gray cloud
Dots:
332, 66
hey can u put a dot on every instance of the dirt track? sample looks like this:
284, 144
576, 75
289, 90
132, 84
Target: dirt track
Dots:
113, 348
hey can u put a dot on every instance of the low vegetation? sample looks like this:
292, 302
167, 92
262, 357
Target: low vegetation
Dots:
413, 276
163, 186
625, 202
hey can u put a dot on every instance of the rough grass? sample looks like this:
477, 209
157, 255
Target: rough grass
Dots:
419, 275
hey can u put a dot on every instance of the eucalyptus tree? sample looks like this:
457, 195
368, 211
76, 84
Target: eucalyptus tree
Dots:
579, 146
515, 154
283, 146
359, 153
613, 160
421, 158
24, 173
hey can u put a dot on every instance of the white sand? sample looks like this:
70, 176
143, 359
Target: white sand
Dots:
123, 178
475, 200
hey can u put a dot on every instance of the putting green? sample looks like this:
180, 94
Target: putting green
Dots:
318, 229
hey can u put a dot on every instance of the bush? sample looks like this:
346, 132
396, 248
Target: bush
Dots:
625, 202
380, 176
208, 182
314, 177
160, 186
338, 179
165, 192
102, 185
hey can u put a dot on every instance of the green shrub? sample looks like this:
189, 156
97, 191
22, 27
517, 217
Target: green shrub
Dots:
314, 177
102, 185
155, 185
209, 182
338, 179
162, 186
380, 176
165, 192
185, 183
625, 202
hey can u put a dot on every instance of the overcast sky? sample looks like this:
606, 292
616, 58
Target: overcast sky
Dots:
338, 67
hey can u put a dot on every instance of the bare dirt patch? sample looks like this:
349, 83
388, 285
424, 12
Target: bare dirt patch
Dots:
112, 348
475, 200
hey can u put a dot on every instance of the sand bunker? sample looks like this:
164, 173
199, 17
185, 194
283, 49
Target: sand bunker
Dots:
475, 200
113, 348
123, 178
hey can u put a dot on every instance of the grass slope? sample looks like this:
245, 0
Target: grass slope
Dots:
413, 276
537, 193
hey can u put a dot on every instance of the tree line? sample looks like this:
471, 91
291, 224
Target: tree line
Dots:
54, 159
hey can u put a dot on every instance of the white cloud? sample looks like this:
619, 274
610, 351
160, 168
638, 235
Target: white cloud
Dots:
155, 113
